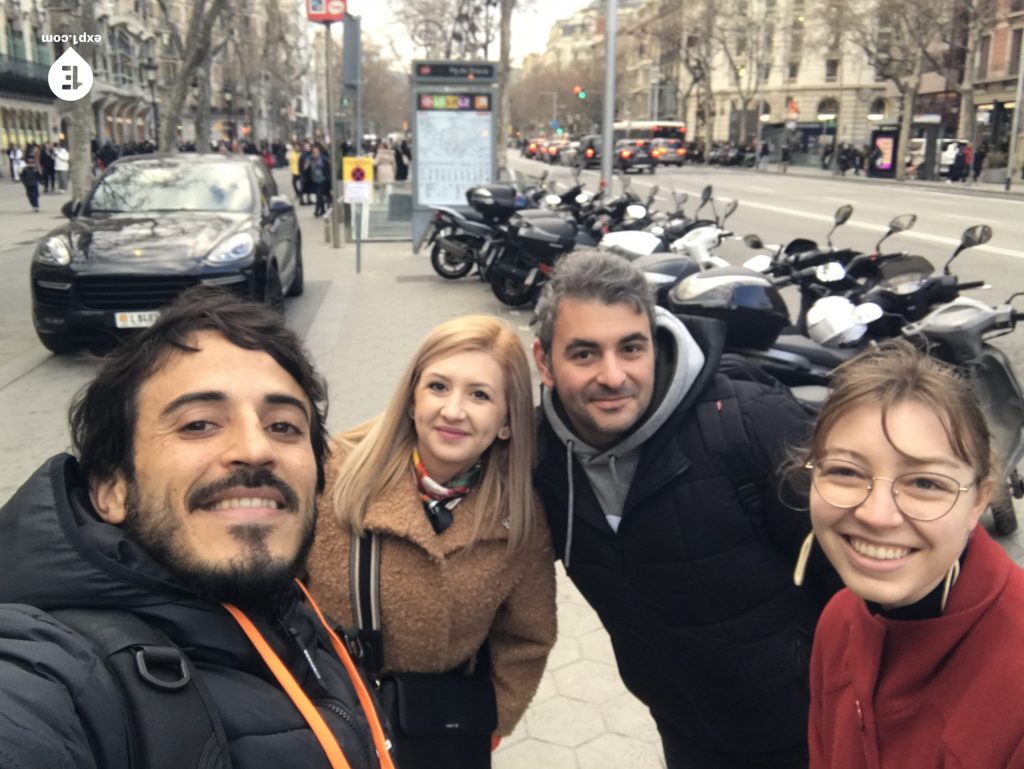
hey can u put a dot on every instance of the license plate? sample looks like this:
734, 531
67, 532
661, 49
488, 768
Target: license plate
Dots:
136, 319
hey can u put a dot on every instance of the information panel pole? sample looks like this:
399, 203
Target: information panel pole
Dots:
608, 116
333, 147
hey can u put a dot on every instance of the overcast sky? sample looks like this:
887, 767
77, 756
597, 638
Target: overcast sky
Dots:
529, 27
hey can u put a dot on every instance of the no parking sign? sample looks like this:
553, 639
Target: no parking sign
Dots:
357, 175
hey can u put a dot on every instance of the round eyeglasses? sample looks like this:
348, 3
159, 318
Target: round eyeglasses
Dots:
920, 496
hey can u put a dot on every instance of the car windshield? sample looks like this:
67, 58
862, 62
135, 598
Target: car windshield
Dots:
143, 187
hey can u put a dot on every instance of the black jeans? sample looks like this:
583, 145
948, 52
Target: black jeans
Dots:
32, 190
681, 752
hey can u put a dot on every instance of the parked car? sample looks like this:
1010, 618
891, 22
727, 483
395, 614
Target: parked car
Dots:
152, 226
668, 152
634, 155
570, 155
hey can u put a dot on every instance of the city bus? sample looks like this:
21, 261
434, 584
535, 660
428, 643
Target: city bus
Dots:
650, 129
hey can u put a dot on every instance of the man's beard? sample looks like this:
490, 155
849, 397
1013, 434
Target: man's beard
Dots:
253, 579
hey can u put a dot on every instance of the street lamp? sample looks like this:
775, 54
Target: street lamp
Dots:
152, 70
228, 96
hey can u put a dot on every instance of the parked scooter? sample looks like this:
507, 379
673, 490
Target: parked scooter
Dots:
959, 332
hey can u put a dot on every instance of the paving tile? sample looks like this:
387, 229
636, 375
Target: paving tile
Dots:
534, 754
627, 716
554, 723
613, 751
596, 645
589, 681
565, 651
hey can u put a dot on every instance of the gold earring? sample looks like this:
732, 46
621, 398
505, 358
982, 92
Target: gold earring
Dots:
951, 577
801, 561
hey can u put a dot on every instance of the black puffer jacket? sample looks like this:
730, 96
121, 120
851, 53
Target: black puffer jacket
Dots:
695, 591
57, 707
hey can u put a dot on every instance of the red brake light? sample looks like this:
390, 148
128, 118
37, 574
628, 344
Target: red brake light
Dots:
680, 151
533, 145
590, 152
552, 150
625, 154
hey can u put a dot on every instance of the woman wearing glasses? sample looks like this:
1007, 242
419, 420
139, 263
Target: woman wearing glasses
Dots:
919, 662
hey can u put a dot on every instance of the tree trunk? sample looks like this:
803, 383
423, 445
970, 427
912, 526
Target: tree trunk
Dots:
202, 127
909, 91
504, 104
81, 119
967, 123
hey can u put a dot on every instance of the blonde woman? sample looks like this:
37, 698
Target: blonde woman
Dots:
443, 478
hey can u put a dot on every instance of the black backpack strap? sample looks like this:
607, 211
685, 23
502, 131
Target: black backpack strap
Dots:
721, 423
364, 588
173, 722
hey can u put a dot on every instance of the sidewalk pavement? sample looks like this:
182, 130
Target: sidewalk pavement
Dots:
983, 189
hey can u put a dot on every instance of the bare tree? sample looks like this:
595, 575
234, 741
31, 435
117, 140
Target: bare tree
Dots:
78, 17
450, 29
532, 97
743, 32
385, 92
193, 50
897, 39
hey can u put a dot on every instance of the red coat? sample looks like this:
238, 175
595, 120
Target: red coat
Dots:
940, 693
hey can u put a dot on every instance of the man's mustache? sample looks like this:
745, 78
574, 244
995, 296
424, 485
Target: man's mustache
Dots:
249, 479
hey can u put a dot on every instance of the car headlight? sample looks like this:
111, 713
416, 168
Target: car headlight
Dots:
53, 251
234, 249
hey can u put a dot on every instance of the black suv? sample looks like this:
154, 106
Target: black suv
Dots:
634, 155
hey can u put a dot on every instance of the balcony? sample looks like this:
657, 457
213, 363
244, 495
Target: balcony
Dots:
24, 76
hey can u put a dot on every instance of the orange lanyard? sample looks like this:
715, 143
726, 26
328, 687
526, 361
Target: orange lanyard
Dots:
308, 710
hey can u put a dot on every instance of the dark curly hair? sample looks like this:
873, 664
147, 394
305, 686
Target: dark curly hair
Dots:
103, 414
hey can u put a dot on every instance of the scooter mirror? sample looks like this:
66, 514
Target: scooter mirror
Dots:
976, 235
753, 241
654, 190
636, 211
730, 209
830, 272
544, 176
843, 213
552, 200
759, 263
868, 312
902, 222
705, 195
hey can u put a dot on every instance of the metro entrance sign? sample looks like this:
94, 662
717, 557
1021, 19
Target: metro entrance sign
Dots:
325, 10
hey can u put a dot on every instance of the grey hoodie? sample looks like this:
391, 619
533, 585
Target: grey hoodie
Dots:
610, 472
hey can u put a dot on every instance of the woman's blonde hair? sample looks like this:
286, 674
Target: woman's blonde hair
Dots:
378, 452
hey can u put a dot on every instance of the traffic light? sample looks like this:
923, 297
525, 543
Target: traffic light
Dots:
559, 131
580, 93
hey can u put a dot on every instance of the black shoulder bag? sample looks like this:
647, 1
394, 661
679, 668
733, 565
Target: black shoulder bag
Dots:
438, 719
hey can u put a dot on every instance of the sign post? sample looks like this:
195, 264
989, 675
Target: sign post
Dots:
358, 186
453, 134
327, 12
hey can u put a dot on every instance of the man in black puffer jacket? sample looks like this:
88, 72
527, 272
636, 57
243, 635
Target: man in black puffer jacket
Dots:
191, 505
670, 526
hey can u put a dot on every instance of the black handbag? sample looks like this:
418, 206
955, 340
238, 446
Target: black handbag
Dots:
438, 720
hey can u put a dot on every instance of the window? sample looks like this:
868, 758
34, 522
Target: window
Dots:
1014, 64
983, 54
793, 72
831, 70
15, 40
1016, 6
766, 72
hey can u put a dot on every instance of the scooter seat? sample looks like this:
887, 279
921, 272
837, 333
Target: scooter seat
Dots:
819, 355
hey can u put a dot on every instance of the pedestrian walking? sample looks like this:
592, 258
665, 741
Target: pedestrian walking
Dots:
762, 156
658, 476
320, 175
958, 167
401, 163
784, 159
979, 161
30, 179
968, 151
294, 159
441, 482
305, 169
49, 171
16, 157
176, 533
61, 166
917, 662
384, 163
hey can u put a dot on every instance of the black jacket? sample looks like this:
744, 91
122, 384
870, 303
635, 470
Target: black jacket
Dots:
695, 591
58, 707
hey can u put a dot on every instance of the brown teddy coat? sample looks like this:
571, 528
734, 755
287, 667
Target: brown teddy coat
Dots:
440, 601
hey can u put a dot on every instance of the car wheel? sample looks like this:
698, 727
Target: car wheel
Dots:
447, 267
273, 296
298, 281
60, 345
